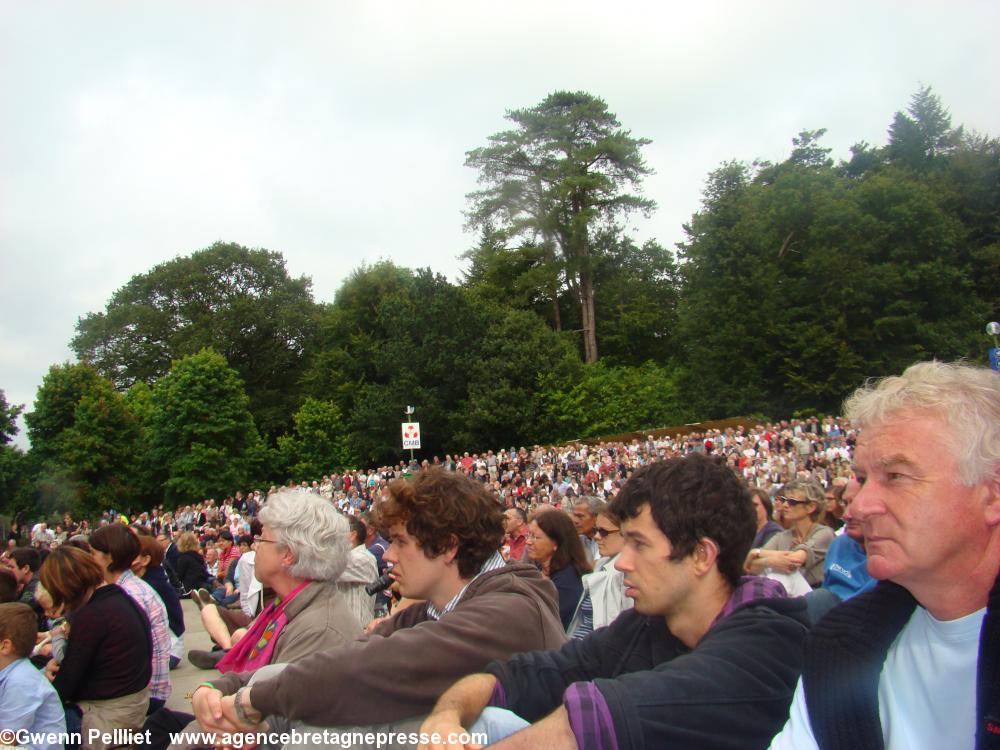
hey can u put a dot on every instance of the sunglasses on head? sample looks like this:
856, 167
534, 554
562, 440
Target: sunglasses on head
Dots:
604, 532
790, 500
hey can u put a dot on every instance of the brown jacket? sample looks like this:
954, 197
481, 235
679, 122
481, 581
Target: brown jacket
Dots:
402, 668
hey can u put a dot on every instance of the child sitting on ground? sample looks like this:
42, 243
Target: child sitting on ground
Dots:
27, 700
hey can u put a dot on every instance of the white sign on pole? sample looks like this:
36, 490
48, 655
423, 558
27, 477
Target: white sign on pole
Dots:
411, 435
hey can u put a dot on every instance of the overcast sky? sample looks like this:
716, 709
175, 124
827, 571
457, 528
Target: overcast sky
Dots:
335, 132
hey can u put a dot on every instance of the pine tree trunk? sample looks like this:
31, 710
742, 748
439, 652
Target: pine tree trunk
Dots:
587, 315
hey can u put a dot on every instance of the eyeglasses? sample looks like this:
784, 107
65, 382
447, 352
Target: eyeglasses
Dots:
258, 539
605, 532
790, 500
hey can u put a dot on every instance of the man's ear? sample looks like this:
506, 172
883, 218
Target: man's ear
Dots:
6, 647
993, 499
705, 555
452, 551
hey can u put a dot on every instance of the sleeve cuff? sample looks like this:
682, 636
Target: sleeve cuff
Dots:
499, 697
589, 717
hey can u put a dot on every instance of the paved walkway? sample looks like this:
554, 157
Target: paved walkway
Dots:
186, 677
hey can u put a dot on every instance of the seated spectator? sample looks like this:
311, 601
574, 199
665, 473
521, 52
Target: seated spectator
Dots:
603, 590
555, 547
301, 552
24, 563
148, 566
802, 547
107, 664
170, 549
8, 588
191, 567
766, 525
27, 700
253, 598
833, 516
229, 552
846, 566
361, 570
212, 563
115, 547
377, 545
705, 659
445, 532
585, 512
229, 592
914, 662
516, 527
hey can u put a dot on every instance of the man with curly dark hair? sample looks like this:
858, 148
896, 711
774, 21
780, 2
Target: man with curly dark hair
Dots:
445, 532
705, 659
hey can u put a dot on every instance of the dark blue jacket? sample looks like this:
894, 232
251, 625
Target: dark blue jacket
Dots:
157, 578
732, 691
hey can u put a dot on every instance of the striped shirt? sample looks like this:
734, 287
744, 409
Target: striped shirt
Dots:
494, 563
149, 601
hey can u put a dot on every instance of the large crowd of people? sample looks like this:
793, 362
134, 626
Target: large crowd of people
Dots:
721, 588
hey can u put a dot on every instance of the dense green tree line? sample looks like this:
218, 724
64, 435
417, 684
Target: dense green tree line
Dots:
802, 278
797, 280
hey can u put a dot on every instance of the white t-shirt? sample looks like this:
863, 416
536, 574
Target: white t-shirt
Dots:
926, 693
250, 587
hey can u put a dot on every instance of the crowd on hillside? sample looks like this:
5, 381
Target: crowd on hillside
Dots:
593, 596
765, 456
207, 550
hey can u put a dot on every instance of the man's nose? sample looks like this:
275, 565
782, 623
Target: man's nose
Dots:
624, 562
864, 504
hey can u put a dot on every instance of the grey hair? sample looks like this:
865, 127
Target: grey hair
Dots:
317, 535
965, 396
594, 504
813, 491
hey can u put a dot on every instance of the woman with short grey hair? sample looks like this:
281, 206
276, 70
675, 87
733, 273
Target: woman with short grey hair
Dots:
312, 529
802, 547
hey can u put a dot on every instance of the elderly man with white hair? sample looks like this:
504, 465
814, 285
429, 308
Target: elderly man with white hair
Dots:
915, 662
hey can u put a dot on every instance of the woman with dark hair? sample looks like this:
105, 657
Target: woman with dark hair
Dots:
148, 565
555, 547
107, 664
766, 525
114, 547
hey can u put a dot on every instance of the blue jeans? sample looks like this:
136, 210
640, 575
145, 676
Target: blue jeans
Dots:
498, 723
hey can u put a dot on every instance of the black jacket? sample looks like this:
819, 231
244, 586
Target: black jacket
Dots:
109, 649
732, 691
845, 654
191, 570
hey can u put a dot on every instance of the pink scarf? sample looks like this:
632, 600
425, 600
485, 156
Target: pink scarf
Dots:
254, 649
